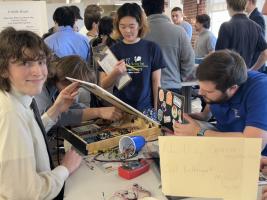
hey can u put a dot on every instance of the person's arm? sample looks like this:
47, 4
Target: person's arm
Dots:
63, 101
71, 161
192, 128
186, 58
107, 80
223, 40
109, 113
260, 61
205, 115
60, 106
251, 132
263, 166
155, 85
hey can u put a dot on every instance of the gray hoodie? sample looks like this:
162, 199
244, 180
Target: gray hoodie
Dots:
176, 48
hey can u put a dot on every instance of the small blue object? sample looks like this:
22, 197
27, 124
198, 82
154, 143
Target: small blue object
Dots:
135, 142
139, 142
151, 113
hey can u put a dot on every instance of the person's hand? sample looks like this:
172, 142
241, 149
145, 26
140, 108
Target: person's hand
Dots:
120, 67
263, 166
66, 97
166, 131
264, 193
110, 113
189, 129
71, 160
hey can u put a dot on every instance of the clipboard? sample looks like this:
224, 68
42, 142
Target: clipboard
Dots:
106, 59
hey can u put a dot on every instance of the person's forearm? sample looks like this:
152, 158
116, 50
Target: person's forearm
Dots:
249, 132
155, 95
53, 112
205, 115
108, 80
200, 116
155, 85
211, 133
260, 61
91, 113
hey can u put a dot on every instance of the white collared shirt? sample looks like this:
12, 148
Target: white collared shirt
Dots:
24, 163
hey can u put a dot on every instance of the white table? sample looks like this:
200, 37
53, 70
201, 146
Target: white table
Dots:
87, 184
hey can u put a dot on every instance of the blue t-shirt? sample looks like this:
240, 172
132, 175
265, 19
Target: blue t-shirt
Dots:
188, 28
146, 56
67, 42
248, 107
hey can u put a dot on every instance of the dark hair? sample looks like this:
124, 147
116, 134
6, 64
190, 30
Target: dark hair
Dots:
224, 68
69, 66
76, 11
153, 6
203, 19
93, 8
105, 28
237, 5
135, 11
19, 46
175, 9
92, 14
64, 16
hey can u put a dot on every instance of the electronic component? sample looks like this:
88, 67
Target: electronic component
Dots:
132, 169
86, 129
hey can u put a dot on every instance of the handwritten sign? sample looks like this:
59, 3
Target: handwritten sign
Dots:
26, 15
211, 167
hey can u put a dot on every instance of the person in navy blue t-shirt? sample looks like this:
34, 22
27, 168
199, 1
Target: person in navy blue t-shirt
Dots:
145, 56
236, 98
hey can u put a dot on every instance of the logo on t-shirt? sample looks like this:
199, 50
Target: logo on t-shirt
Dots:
236, 113
135, 64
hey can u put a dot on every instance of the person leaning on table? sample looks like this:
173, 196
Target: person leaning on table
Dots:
75, 67
234, 96
26, 168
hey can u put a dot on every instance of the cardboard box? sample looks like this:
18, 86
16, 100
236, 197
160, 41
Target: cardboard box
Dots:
96, 135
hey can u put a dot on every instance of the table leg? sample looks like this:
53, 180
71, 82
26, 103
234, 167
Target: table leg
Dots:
187, 92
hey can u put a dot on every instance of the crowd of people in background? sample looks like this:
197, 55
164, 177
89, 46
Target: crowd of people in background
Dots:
155, 51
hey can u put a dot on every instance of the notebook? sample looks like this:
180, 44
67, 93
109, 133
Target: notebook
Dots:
106, 59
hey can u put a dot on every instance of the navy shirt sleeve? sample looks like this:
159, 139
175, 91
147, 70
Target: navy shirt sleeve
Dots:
158, 61
257, 106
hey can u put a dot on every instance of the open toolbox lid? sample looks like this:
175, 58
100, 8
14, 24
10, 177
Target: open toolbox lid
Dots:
110, 98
